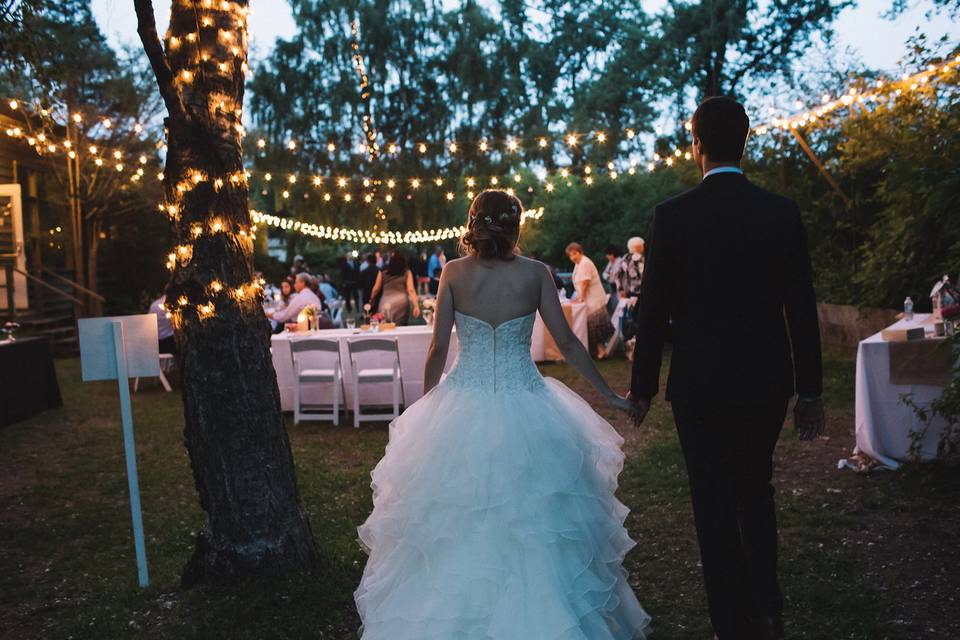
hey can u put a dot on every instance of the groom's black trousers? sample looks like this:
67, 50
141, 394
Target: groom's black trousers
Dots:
729, 457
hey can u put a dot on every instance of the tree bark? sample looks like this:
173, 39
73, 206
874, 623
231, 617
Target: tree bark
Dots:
235, 434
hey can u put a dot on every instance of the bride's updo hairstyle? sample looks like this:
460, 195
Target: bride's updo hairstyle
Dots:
493, 226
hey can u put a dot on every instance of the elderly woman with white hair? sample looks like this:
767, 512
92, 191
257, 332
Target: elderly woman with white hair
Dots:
631, 269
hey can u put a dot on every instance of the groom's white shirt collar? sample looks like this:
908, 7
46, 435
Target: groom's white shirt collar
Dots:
722, 170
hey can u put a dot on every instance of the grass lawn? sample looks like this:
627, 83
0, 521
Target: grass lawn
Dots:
863, 556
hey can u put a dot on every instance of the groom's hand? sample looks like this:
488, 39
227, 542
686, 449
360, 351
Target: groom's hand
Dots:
809, 418
640, 409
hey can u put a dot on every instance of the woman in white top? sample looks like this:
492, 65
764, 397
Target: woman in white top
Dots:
586, 280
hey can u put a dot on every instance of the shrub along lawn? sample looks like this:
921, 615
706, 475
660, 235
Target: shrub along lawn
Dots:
863, 556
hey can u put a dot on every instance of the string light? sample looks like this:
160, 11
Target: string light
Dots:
375, 236
369, 130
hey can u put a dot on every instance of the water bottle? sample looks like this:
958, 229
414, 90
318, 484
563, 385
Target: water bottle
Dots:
908, 309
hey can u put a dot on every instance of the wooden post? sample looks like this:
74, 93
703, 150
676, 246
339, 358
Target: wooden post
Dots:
76, 219
11, 301
823, 170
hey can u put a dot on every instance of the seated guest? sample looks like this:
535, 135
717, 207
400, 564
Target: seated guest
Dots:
286, 291
315, 287
304, 298
326, 287
396, 292
368, 277
168, 343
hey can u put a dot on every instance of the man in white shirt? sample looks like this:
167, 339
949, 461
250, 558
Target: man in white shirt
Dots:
303, 299
164, 329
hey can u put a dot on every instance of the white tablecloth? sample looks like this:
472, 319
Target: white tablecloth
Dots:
542, 347
883, 421
413, 344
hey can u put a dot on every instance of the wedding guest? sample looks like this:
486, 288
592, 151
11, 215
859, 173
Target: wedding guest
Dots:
612, 269
315, 287
368, 277
168, 343
589, 288
286, 290
299, 266
434, 266
329, 292
395, 291
419, 267
631, 269
304, 298
349, 279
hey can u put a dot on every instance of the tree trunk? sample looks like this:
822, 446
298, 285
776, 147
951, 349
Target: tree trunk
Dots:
235, 434
94, 307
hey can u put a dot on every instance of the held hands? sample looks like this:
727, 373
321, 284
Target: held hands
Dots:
636, 408
809, 418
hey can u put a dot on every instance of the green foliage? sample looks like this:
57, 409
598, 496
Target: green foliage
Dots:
897, 161
54, 55
945, 410
609, 212
718, 46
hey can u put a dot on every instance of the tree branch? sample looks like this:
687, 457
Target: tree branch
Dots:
147, 30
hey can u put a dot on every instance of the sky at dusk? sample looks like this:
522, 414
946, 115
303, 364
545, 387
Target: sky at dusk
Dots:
878, 42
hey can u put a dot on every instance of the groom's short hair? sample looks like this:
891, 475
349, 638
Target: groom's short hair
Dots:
721, 124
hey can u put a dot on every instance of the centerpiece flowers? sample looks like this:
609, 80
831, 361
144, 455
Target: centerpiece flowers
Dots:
429, 307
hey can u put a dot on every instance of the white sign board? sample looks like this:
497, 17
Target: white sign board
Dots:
98, 359
115, 349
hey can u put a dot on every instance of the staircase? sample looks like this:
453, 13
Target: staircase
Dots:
57, 321
56, 317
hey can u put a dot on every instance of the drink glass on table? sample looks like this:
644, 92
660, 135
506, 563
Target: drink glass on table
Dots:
351, 323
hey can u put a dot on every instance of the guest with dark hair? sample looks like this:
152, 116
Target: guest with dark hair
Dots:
396, 292
349, 280
286, 290
613, 267
368, 278
434, 266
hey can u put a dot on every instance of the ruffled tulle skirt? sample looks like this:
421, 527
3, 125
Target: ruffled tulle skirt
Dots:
495, 518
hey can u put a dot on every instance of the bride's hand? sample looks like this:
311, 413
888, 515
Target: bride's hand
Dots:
623, 404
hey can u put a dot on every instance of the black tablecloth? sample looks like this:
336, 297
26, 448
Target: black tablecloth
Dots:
28, 379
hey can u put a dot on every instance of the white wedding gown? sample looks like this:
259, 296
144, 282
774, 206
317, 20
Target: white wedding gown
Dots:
494, 510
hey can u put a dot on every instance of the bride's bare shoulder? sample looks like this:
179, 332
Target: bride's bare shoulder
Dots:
534, 266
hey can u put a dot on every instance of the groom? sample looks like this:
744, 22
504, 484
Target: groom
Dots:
728, 276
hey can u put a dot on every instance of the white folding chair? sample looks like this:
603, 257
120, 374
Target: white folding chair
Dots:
368, 375
305, 372
166, 364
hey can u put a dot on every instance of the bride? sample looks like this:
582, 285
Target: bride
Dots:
494, 510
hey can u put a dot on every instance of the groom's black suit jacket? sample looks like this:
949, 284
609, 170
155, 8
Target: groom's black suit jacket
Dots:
728, 267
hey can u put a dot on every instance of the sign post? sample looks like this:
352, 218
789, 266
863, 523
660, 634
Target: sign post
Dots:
119, 348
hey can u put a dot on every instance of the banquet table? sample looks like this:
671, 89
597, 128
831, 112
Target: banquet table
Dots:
413, 343
28, 379
542, 345
883, 421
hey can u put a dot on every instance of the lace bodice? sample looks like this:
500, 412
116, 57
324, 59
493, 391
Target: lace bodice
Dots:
495, 360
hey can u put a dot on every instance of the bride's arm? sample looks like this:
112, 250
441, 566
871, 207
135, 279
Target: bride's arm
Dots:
442, 327
570, 346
